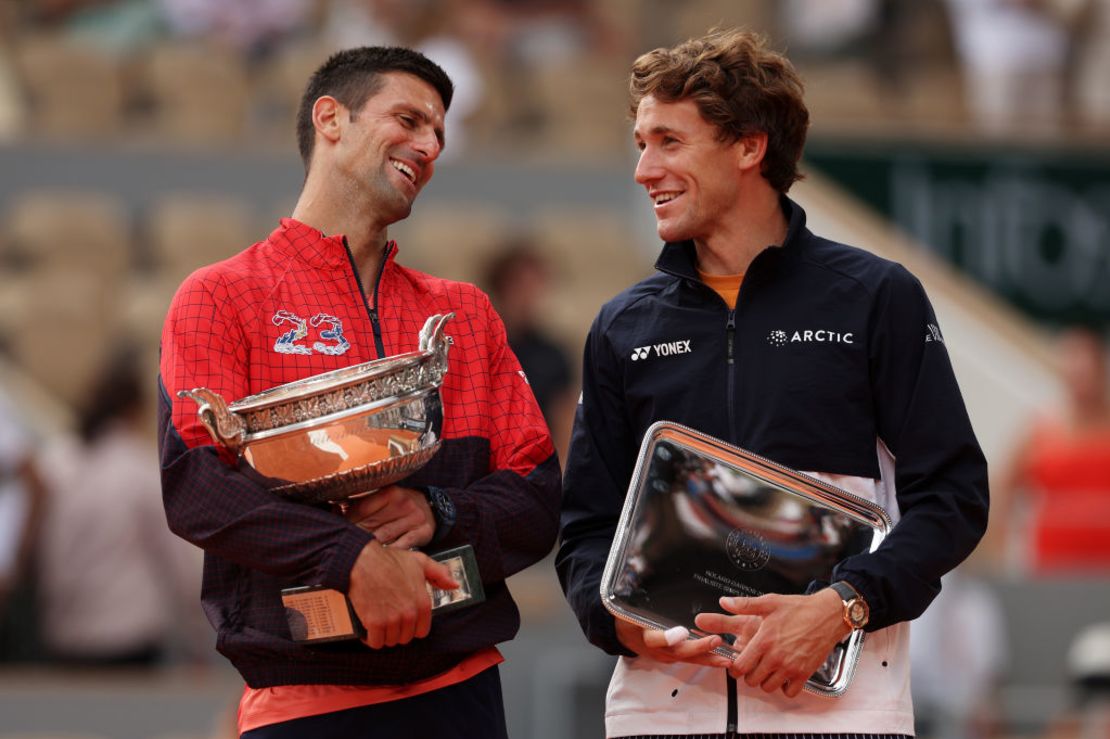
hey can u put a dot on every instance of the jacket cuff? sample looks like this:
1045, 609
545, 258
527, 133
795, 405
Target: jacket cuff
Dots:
605, 636
443, 510
875, 604
337, 568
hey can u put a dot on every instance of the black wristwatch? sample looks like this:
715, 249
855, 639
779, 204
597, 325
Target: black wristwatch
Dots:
856, 611
443, 509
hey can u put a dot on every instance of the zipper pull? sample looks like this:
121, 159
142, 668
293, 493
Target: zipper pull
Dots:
730, 334
732, 717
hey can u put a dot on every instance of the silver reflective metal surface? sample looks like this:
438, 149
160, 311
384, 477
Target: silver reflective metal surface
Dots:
703, 519
341, 433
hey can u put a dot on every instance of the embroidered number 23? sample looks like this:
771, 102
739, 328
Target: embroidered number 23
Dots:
290, 342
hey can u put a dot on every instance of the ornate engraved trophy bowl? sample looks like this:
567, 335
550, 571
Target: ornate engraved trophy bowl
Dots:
343, 433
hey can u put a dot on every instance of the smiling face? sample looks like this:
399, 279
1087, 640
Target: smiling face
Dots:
388, 148
691, 176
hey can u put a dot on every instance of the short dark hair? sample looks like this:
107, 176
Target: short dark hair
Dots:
740, 86
353, 76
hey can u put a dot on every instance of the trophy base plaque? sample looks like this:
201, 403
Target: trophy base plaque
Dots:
317, 614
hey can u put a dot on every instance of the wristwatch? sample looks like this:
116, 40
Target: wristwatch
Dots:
443, 509
856, 611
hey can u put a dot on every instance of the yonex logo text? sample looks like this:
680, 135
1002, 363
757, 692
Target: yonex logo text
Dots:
666, 349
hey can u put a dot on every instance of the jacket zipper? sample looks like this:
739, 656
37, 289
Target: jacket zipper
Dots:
733, 710
371, 310
730, 334
730, 340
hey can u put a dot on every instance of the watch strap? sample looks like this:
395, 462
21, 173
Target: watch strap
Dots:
845, 590
443, 510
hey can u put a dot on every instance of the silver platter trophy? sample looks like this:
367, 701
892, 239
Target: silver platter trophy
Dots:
339, 435
703, 519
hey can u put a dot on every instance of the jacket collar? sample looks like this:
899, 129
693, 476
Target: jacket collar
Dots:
296, 240
680, 258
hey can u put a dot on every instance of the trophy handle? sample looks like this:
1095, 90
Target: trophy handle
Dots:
432, 338
226, 428
434, 345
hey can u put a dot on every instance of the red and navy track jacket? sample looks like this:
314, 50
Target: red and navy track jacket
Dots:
290, 307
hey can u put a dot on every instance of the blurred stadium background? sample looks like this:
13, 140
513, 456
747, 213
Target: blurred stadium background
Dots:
968, 139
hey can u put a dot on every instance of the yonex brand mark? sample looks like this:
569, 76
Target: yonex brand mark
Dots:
778, 337
665, 349
932, 333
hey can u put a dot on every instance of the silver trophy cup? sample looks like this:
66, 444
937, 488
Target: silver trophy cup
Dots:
342, 433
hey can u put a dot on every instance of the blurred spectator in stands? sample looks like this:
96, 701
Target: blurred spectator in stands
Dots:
895, 39
113, 580
21, 502
1055, 497
540, 32
350, 23
958, 657
517, 280
11, 101
432, 27
1089, 678
255, 27
519, 38
110, 25
827, 27
1014, 55
55, 12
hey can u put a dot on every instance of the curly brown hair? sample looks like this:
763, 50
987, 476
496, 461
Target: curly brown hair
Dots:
739, 85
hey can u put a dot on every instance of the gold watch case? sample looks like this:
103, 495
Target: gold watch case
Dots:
856, 611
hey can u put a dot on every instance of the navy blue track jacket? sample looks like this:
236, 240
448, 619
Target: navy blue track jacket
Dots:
831, 354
